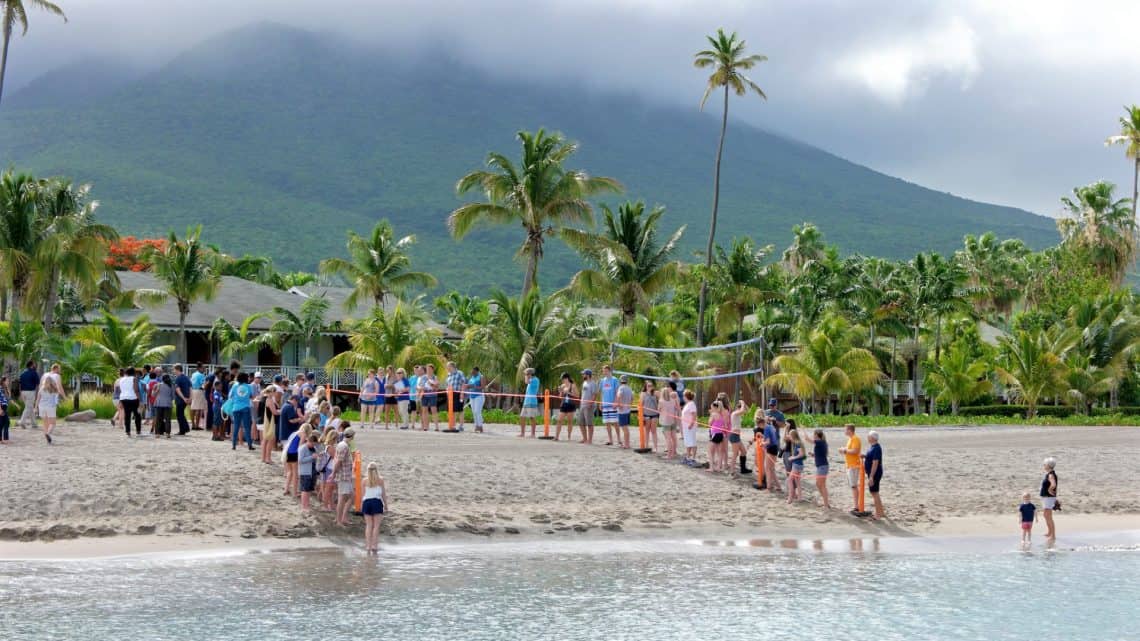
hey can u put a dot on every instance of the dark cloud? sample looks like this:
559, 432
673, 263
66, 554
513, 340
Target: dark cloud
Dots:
1006, 102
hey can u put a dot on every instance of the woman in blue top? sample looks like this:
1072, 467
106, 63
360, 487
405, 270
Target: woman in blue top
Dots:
873, 468
402, 389
796, 455
241, 412
370, 394
476, 398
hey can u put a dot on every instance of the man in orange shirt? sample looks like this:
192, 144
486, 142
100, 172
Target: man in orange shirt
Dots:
852, 456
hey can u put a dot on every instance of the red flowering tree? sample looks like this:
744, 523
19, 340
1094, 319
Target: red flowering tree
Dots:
126, 253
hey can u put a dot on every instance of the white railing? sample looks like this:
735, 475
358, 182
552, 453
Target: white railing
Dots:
335, 378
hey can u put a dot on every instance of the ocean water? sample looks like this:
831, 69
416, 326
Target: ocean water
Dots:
613, 591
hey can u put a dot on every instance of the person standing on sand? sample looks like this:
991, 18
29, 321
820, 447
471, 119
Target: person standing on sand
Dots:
456, 383
1049, 500
429, 402
586, 407
607, 389
677, 381
269, 427
475, 398
29, 386
373, 507
567, 408
529, 409
5, 420
391, 415
342, 472
307, 467
796, 455
163, 404
369, 390
819, 454
182, 391
853, 460
129, 398
770, 440
197, 397
689, 428
402, 386
241, 418
873, 467
735, 437
670, 410
624, 401
650, 405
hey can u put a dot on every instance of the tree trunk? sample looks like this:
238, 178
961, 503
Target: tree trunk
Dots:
739, 355
182, 312
6, 19
52, 299
703, 299
1135, 187
75, 400
4, 305
530, 280
914, 374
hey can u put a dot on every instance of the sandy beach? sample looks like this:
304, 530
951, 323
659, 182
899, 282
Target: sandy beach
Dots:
96, 483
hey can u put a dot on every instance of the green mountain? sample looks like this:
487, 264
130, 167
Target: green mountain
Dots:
278, 140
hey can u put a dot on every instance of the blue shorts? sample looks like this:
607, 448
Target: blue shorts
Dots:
372, 507
821, 470
373, 402
623, 420
308, 483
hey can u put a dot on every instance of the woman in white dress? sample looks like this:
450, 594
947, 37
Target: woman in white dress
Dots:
51, 392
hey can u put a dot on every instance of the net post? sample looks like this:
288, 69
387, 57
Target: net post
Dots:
546, 417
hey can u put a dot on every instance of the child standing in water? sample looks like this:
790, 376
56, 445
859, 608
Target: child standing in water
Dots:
373, 507
1028, 513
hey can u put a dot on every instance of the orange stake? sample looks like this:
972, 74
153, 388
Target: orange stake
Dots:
760, 465
450, 409
641, 423
357, 469
862, 489
546, 415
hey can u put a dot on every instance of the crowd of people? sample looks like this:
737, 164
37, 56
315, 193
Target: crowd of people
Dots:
298, 419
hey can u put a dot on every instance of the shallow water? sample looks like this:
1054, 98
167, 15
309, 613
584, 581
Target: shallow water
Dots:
759, 589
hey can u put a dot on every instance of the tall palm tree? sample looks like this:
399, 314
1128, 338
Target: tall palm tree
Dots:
1129, 136
72, 246
1101, 226
377, 266
629, 267
728, 62
463, 310
998, 272
305, 325
829, 363
14, 13
123, 344
21, 341
187, 271
807, 246
539, 194
235, 342
20, 234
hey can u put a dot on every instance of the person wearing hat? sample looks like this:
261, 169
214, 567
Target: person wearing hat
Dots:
607, 389
342, 474
587, 406
530, 404
624, 409
776, 415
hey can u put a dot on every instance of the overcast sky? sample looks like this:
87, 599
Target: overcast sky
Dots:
1007, 101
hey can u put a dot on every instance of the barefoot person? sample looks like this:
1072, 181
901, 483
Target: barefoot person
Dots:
475, 398
1049, 497
689, 429
770, 440
342, 472
29, 386
670, 409
796, 455
819, 454
624, 408
307, 466
568, 408
873, 466
586, 408
529, 410
852, 459
650, 404
373, 507
50, 395
739, 452
369, 393
1027, 515
607, 390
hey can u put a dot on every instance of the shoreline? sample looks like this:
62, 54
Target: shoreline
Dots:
1093, 531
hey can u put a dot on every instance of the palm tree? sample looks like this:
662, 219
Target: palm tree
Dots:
377, 266
539, 194
21, 341
1129, 136
828, 363
998, 272
1085, 382
629, 267
1032, 366
388, 338
72, 246
807, 246
187, 271
14, 14
20, 234
77, 360
546, 333
235, 342
958, 378
1101, 227
123, 344
305, 325
728, 62
463, 310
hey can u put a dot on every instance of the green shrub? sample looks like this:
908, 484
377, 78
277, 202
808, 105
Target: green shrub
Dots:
102, 404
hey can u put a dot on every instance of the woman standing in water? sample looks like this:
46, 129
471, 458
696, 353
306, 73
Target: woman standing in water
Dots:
1048, 497
373, 507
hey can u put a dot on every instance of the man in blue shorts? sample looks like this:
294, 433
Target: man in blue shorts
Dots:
624, 404
607, 390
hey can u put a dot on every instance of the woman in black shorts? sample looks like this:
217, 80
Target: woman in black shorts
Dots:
568, 408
